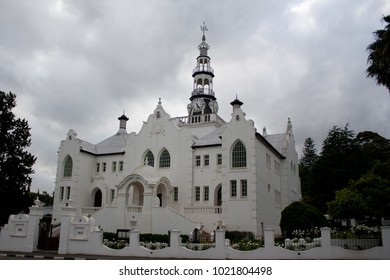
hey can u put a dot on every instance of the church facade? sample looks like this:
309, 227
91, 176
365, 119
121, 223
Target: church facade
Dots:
196, 171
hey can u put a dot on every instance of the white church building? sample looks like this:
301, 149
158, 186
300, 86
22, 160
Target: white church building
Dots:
196, 171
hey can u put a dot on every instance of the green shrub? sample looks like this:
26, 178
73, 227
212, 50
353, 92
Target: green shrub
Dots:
239, 235
300, 216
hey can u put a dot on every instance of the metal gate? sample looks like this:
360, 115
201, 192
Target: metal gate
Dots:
46, 241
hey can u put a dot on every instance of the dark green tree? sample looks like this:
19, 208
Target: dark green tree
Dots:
379, 55
348, 204
300, 216
15, 161
306, 163
377, 150
376, 193
341, 159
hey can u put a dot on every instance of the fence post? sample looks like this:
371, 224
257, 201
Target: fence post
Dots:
269, 239
35, 215
174, 238
325, 237
219, 238
134, 238
386, 237
67, 214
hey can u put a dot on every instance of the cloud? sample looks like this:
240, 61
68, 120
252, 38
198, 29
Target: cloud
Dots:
79, 64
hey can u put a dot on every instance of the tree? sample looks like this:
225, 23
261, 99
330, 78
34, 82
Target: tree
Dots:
300, 216
348, 204
376, 193
367, 197
341, 159
377, 150
15, 161
379, 55
306, 164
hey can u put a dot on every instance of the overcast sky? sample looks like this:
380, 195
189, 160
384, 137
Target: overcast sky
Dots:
80, 64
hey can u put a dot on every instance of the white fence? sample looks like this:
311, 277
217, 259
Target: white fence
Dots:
79, 235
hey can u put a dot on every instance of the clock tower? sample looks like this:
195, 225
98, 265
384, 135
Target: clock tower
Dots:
203, 101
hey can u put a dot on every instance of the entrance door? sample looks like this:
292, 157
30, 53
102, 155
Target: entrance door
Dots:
98, 199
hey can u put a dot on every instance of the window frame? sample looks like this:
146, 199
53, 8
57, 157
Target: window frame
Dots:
233, 188
68, 167
238, 155
164, 159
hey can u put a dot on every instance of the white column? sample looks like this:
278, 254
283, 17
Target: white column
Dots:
67, 214
35, 216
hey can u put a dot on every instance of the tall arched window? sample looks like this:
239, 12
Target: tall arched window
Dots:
150, 158
165, 159
68, 166
238, 155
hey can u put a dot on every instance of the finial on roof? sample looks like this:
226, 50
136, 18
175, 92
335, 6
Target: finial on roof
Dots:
204, 29
122, 121
289, 127
264, 131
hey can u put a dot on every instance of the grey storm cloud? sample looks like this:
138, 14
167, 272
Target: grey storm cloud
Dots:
80, 64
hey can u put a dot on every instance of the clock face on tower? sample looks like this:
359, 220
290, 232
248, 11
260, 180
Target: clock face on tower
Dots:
197, 104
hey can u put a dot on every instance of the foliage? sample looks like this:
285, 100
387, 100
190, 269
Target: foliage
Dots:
358, 231
239, 235
247, 245
44, 197
306, 164
377, 150
15, 161
379, 55
348, 204
151, 237
115, 244
367, 197
341, 159
301, 216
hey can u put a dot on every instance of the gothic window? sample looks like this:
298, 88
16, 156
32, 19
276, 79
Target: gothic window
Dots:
238, 155
68, 166
150, 158
165, 159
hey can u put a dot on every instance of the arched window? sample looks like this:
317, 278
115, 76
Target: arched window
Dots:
68, 166
238, 155
150, 158
165, 159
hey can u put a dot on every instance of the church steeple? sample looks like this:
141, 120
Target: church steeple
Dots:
203, 100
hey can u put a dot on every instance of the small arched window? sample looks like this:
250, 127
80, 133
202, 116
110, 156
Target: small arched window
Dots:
238, 155
68, 166
165, 159
149, 157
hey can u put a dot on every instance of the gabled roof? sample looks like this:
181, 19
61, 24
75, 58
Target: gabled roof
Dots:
212, 139
115, 144
278, 142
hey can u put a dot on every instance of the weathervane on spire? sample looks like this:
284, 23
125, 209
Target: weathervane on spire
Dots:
204, 29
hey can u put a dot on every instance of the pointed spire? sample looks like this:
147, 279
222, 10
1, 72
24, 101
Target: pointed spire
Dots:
204, 29
289, 127
203, 47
